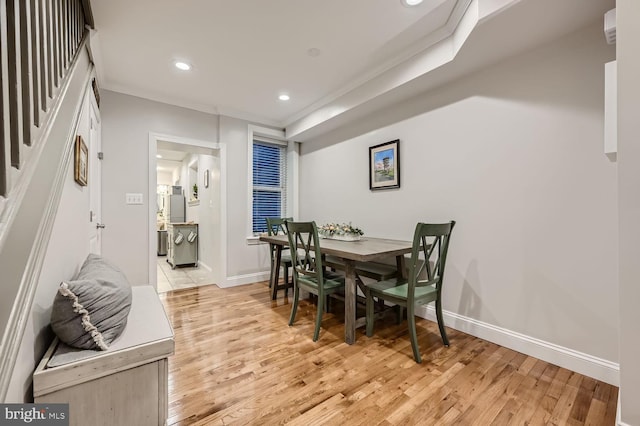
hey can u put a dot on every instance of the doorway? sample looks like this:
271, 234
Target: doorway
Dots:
95, 178
194, 172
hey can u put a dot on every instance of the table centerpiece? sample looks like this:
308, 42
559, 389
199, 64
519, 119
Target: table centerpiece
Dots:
342, 232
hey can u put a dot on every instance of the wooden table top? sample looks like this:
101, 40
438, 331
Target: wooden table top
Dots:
366, 249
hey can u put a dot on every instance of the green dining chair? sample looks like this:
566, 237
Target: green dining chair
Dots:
423, 284
275, 226
308, 271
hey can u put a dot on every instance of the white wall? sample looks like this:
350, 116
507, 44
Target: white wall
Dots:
628, 46
208, 209
189, 175
127, 121
245, 263
67, 249
165, 178
184, 176
515, 155
192, 213
176, 178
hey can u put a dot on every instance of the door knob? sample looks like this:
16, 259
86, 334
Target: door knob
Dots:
100, 225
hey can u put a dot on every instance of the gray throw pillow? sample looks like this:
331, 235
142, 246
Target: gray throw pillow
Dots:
90, 311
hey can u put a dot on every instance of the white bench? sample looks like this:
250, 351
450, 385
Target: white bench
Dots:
124, 385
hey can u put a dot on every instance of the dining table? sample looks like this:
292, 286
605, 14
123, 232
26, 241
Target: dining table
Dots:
366, 249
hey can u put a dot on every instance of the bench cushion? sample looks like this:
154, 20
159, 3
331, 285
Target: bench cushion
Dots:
146, 310
91, 310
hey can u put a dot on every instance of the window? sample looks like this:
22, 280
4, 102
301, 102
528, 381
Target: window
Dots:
269, 182
272, 169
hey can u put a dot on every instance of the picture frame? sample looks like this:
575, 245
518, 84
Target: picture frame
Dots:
81, 162
384, 166
206, 178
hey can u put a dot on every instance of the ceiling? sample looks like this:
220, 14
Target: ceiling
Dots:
169, 161
170, 155
331, 57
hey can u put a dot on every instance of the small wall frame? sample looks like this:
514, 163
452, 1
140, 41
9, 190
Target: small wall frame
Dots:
384, 165
81, 162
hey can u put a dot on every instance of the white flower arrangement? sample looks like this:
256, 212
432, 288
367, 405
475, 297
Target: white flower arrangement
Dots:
340, 231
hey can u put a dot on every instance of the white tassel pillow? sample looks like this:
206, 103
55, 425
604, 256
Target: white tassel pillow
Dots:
90, 311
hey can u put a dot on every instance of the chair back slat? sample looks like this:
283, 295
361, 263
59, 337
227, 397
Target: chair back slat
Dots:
276, 226
305, 250
303, 263
429, 255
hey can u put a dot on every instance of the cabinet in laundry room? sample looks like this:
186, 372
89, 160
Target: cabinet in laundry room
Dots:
182, 244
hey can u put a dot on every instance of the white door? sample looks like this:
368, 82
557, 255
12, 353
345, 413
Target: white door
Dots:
95, 179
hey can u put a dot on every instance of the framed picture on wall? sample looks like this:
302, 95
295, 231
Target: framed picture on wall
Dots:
81, 163
384, 165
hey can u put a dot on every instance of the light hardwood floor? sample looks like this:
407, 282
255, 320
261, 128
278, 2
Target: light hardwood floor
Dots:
238, 362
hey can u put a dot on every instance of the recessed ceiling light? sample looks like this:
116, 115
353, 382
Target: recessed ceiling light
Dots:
182, 66
410, 3
158, 156
284, 97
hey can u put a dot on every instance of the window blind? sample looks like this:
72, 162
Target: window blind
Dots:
269, 183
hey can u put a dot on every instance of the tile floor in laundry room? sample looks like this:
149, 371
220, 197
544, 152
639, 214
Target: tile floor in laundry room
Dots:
181, 277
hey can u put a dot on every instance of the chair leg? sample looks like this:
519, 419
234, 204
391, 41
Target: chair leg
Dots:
443, 332
399, 314
274, 291
286, 280
321, 302
276, 279
411, 320
370, 313
294, 306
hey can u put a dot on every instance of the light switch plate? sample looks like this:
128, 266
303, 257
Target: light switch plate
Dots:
133, 198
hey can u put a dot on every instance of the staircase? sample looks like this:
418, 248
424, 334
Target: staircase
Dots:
45, 67
38, 42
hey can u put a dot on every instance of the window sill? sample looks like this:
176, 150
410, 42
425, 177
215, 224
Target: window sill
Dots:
194, 203
254, 240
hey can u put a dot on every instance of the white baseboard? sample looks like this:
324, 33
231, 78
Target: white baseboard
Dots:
237, 280
201, 264
618, 422
619, 414
598, 368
